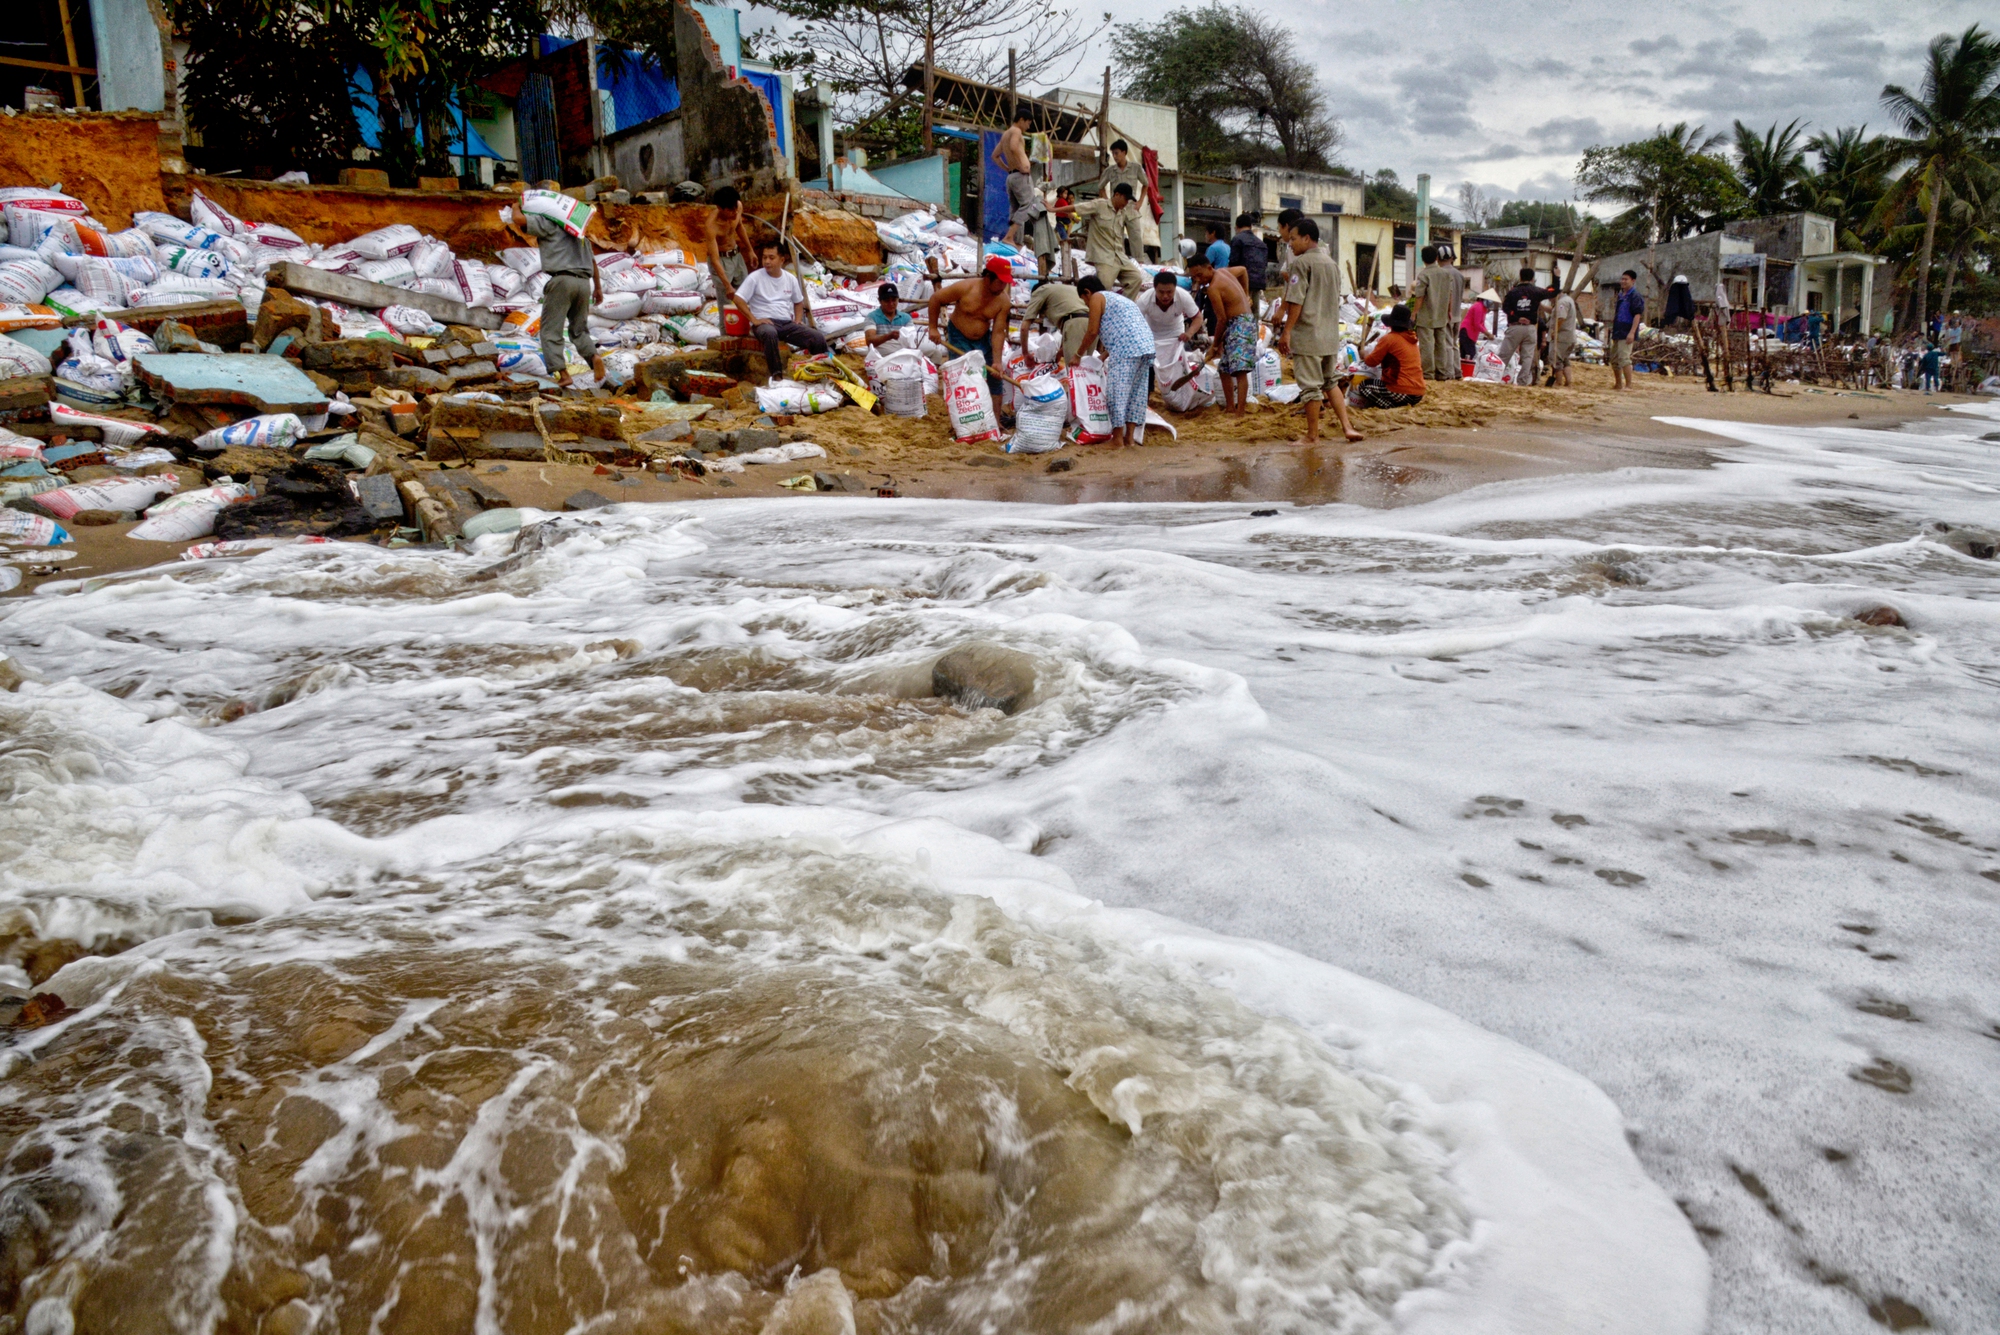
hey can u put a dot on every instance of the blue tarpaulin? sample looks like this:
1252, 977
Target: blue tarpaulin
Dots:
639, 88
773, 89
465, 141
994, 208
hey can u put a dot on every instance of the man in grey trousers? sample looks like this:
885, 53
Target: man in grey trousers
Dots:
573, 286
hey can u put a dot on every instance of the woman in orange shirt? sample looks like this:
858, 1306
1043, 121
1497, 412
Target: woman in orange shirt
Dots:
1402, 382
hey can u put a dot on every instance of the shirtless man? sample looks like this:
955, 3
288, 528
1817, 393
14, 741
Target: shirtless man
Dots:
728, 227
1010, 155
980, 308
1236, 341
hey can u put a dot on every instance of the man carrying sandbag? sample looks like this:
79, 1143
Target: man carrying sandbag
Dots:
573, 286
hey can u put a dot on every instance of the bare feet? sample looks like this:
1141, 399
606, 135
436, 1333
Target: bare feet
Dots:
1355, 436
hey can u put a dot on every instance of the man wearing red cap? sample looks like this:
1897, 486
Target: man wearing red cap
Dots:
980, 307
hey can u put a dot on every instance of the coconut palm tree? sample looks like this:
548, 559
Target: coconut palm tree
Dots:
1849, 181
1772, 168
1949, 125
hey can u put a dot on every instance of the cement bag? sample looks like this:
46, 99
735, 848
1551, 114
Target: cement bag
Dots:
689, 329
84, 369
134, 460
630, 278
1196, 393
396, 271
967, 400
178, 290
1041, 410
205, 212
1269, 373
28, 226
523, 260
340, 259
1044, 348
408, 320
473, 281
72, 304
119, 343
789, 396
671, 303
431, 259
573, 214
188, 515
272, 431
27, 315
121, 493
117, 431
677, 278
33, 530
618, 307
15, 448
132, 241
1486, 365
105, 279
25, 282
1089, 401
522, 361
504, 282
270, 236
900, 376
18, 359
394, 241
193, 263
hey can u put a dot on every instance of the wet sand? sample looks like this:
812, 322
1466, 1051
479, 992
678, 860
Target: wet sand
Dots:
1463, 435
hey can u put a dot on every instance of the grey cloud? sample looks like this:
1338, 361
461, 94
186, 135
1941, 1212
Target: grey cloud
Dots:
1570, 133
1647, 46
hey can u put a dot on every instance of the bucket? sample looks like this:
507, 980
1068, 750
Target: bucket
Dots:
1464, 370
734, 323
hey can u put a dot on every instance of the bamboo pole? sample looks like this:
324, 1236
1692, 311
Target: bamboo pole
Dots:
69, 48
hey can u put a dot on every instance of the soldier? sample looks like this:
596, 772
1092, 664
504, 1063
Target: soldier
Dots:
1435, 299
1105, 221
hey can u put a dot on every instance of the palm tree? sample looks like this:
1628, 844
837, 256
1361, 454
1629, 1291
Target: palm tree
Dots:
1849, 179
1948, 126
1673, 181
1975, 215
1772, 168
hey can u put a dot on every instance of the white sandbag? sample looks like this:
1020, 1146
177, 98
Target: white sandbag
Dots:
473, 280
205, 212
618, 306
967, 400
523, 361
272, 431
119, 343
523, 260
117, 431
97, 377
631, 278
689, 329
134, 460
1268, 375
193, 263
29, 225
677, 278
1044, 348
270, 236
790, 452
790, 396
18, 359
177, 291
503, 281
72, 304
25, 282
32, 530
394, 241
1089, 401
900, 377
107, 279
1198, 392
129, 242
27, 315
431, 259
573, 214
1041, 410
408, 320
189, 514
13, 448
394, 271
112, 493
338, 259
671, 303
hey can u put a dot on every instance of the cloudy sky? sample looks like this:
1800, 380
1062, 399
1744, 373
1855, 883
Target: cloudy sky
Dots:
1507, 95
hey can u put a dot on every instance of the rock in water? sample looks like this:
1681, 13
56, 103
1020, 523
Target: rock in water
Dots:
1975, 543
984, 676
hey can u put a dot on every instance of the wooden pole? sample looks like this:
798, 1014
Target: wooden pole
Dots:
69, 47
1013, 98
930, 87
1103, 123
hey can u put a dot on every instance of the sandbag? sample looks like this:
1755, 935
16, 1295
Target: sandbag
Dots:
967, 400
34, 530
789, 396
394, 241
431, 259
408, 320
205, 212
123, 493
119, 343
27, 315
1269, 373
523, 361
671, 303
25, 282
1089, 401
18, 359
1041, 410
1202, 390
393, 271
271, 431
618, 306
189, 514
573, 214
900, 378
193, 263
523, 260
117, 431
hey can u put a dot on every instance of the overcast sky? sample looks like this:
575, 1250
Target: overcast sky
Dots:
1507, 95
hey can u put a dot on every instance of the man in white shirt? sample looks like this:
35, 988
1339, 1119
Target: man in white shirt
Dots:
1172, 314
775, 303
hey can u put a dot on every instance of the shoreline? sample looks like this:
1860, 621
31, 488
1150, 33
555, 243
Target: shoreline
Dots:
1462, 436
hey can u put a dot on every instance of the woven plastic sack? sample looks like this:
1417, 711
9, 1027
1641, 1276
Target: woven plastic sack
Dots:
25, 282
18, 359
900, 377
573, 214
522, 361
431, 259
1269, 373
119, 343
193, 263
1196, 393
27, 315
272, 431
618, 306
116, 430
396, 271
123, 493
408, 319
189, 514
1089, 401
395, 240
967, 400
523, 260
205, 212
35, 530
1041, 410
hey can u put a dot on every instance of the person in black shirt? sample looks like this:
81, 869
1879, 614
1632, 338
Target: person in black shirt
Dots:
1521, 303
1248, 253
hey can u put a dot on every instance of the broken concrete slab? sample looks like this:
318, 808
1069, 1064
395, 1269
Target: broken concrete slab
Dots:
747, 438
467, 372
350, 354
379, 497
668, 434
232, 379
420, 379
302, 278
586, 500
224, 323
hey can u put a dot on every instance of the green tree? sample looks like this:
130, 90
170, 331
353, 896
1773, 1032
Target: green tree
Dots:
1244, 95
1771, 168
1541, 217
1673, 183
1949, 126
1386, 197
1849, 182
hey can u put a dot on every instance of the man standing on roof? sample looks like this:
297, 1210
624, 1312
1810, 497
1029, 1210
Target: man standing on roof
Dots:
1435, 299
1010, 155
573, 284
1124, 171
729, 248
979, 311
1104, 227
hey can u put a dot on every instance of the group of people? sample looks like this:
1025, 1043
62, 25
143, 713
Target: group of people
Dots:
1541, 328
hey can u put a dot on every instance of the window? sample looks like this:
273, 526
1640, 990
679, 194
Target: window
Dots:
1328, 206
1291, 202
